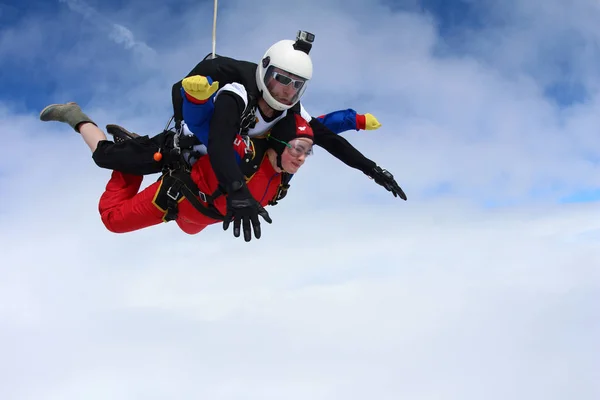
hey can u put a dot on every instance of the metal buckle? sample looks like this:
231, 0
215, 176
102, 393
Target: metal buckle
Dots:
202, 196
248, 144
176, 141
170, 195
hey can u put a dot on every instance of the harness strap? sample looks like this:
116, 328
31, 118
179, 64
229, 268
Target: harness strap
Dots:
175, 147
282, 189
177, 185
248, 117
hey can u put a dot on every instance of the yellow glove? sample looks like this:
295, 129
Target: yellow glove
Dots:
197, 86
371, 122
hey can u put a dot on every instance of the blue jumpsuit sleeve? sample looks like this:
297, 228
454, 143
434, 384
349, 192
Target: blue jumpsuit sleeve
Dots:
197, 116
340, 121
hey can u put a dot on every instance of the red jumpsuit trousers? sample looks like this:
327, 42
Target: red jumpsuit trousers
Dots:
123, 209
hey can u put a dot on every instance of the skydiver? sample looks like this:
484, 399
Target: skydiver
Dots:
195, 199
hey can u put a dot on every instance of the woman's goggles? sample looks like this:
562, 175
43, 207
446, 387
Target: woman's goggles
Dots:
296, 147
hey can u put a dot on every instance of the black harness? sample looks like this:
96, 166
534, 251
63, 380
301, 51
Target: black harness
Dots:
177, 184
282, 189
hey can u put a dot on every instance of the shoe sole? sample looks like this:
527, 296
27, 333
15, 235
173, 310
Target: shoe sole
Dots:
120, 132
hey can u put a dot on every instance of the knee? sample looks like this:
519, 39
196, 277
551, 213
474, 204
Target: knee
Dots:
99, 155
113, 223
110, 225
190, 228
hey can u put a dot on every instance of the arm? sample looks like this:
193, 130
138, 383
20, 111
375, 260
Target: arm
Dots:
176, 89
345, 120
223, 70
224, 126
198, 94
340, 148
336, 145
242, 209
340, 121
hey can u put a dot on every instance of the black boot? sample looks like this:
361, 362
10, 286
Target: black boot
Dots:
119, 133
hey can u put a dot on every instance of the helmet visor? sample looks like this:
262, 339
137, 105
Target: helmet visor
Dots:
284, 86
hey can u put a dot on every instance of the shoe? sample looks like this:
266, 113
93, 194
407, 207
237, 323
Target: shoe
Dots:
69, 113
120, 134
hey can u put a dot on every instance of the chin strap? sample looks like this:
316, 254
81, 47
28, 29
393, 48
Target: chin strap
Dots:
279, 151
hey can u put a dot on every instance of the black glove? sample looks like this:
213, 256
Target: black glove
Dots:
243, 209
386, 179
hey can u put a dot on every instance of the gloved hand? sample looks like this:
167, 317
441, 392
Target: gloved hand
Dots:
243, 209
371, 122
386, 179
198, 87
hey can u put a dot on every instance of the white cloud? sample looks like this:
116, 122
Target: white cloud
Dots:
461, 299
116, 32
350, 293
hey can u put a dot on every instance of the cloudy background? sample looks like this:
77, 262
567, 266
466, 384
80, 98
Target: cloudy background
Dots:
484, 285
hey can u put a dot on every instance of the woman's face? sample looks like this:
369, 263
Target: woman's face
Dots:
295, 154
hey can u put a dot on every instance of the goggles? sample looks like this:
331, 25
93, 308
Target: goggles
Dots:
296, 147
286, 80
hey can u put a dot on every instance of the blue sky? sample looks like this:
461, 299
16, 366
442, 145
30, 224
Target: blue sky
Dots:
63, 55
38, 69
456, 20
484, 282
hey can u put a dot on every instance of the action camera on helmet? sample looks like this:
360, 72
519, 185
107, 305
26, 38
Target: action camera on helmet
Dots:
304, 41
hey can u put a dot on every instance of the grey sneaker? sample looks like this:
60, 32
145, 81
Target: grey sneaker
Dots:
120, 134
69, 113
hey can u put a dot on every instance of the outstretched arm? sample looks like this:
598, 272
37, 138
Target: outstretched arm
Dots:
341, 149
346, 120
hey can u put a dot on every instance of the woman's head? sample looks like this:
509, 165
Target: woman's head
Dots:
292, 139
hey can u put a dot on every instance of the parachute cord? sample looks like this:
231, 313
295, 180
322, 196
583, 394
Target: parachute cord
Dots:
169, 123
214, 32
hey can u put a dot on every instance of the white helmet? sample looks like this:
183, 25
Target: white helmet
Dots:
283, 65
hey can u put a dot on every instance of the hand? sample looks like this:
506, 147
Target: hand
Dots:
371, 122
198, 87
244, 210
386, 179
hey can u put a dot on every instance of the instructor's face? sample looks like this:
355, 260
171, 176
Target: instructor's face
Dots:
284, 86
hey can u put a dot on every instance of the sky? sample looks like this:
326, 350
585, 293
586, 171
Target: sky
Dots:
484, 284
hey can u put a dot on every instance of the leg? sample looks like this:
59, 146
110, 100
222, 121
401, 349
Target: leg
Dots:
134, 156
190, 220
190, 227
123, 209
91, 135
71, 114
